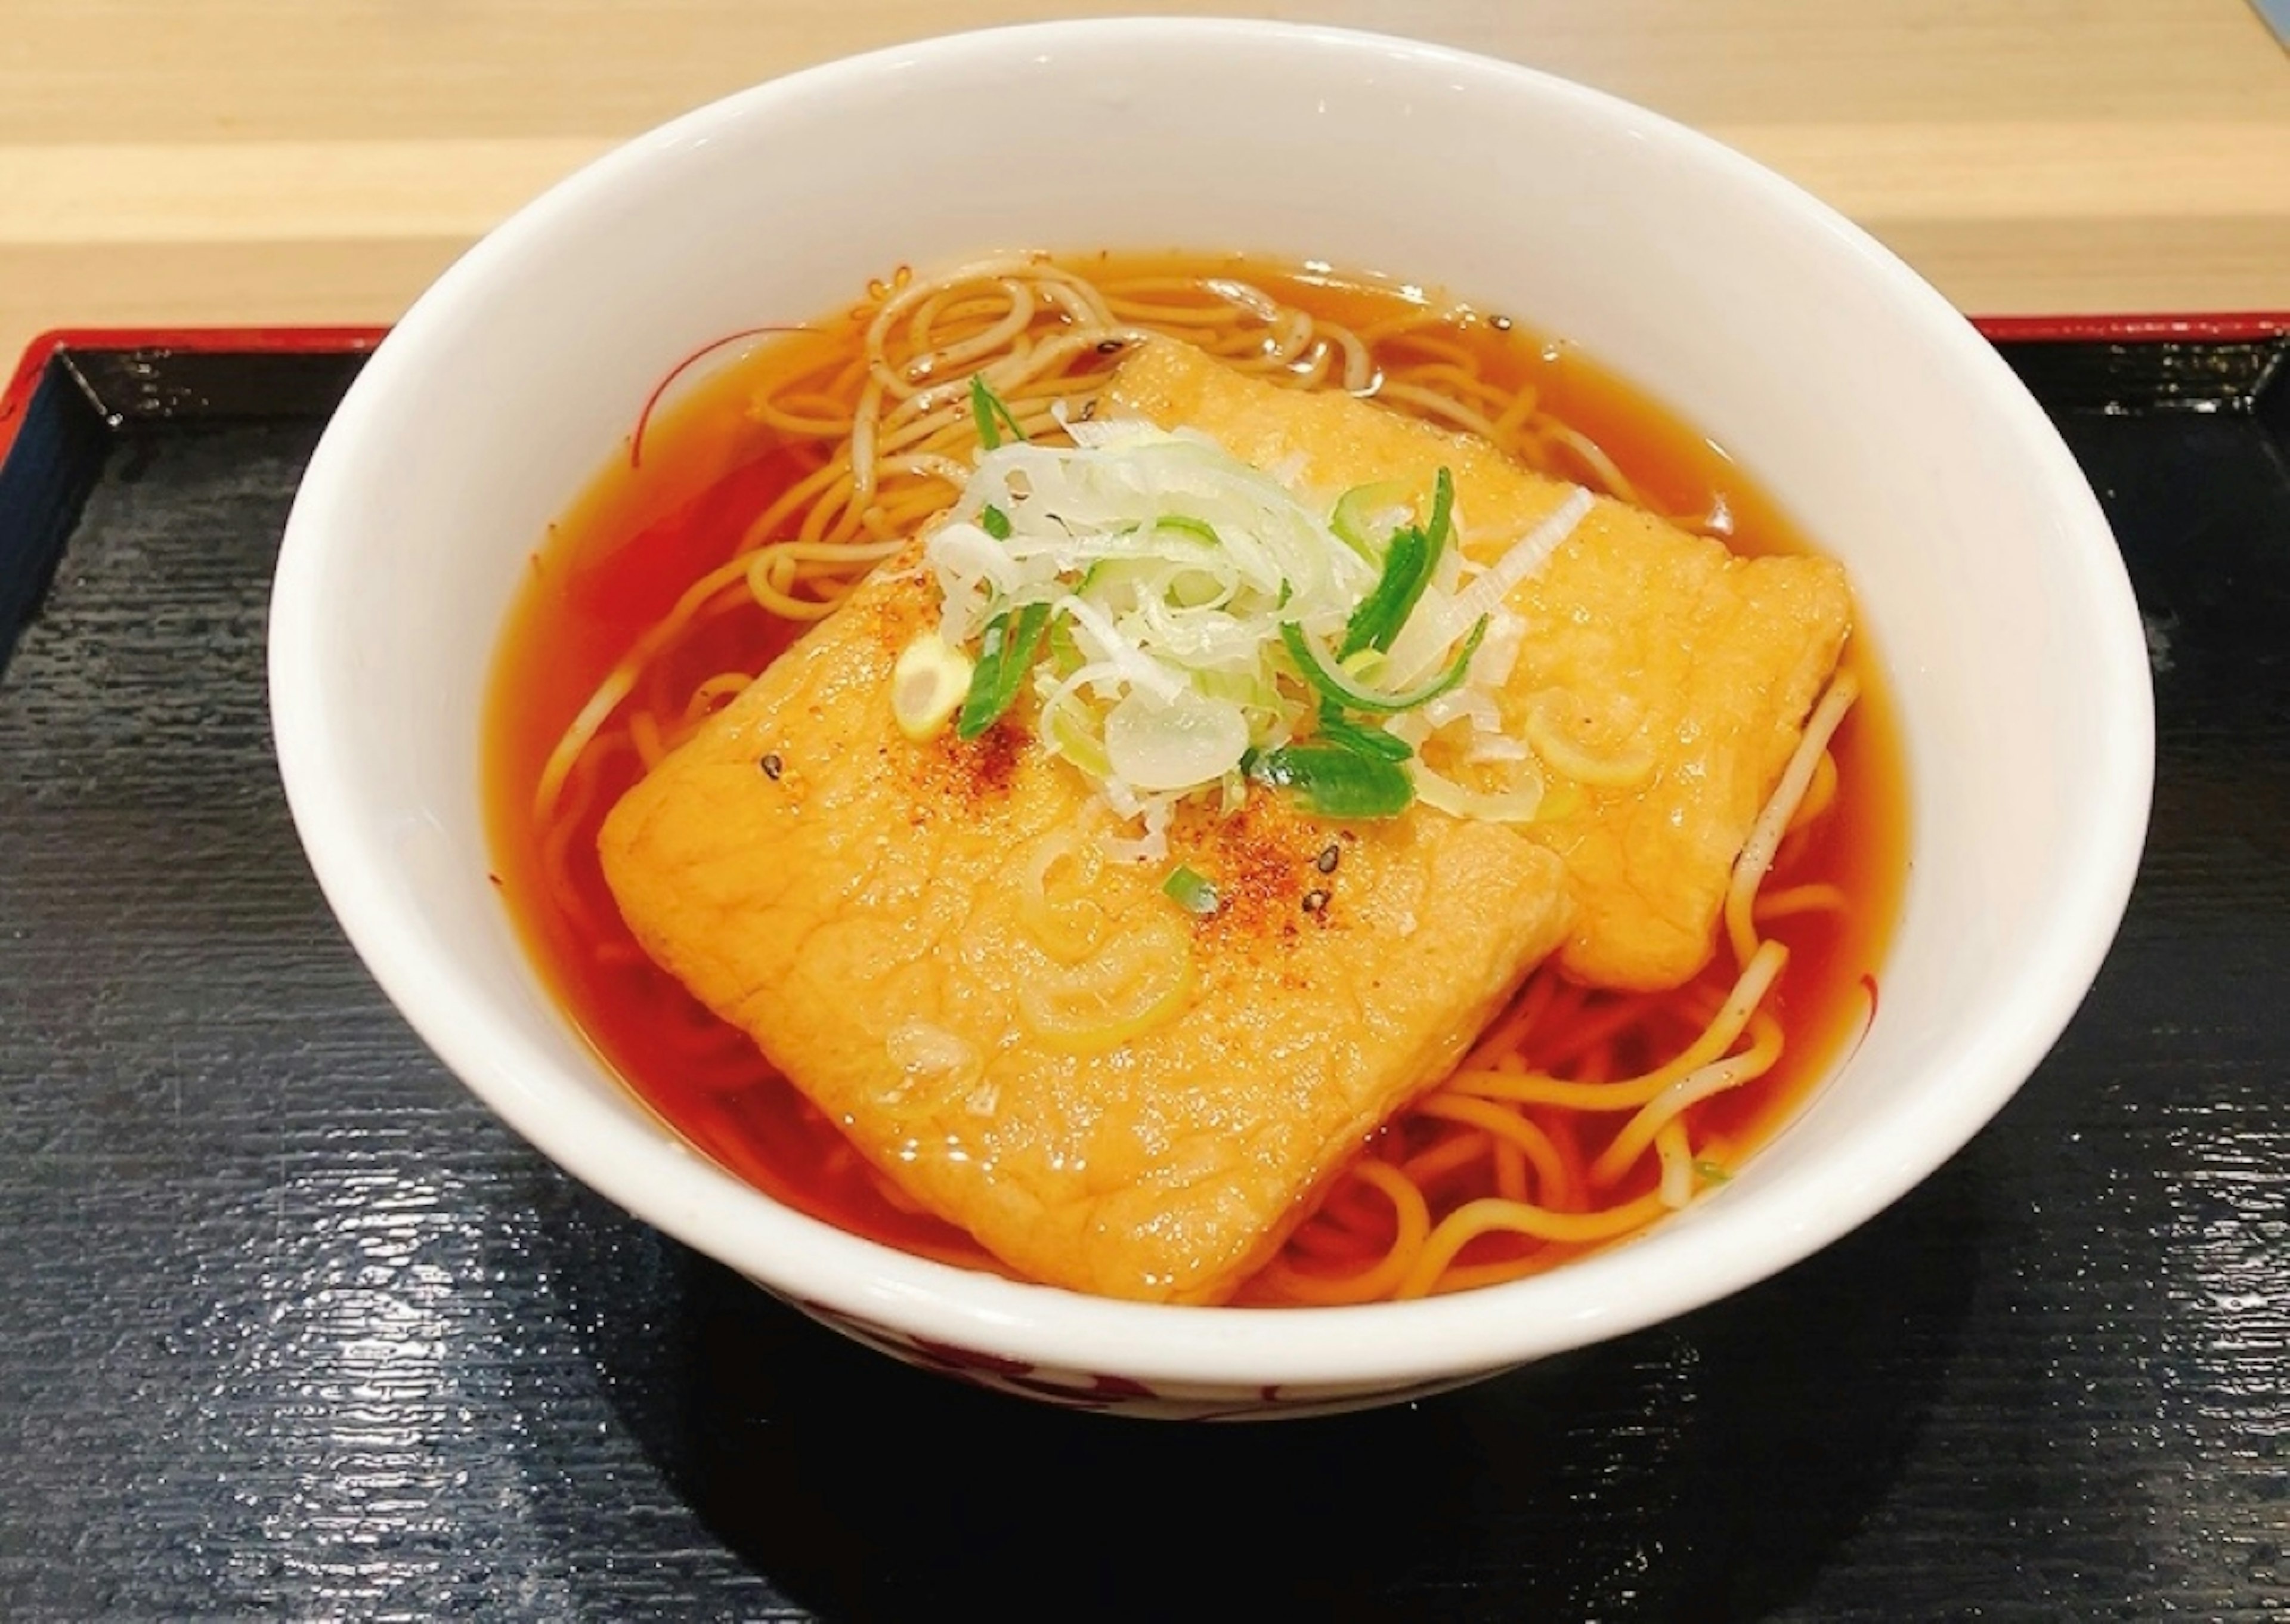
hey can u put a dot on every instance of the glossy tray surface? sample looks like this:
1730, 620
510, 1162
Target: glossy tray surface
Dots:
290, 1327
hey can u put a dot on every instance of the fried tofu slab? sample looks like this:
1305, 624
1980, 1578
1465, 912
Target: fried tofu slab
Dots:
1108, 1093
1030, 1039
1683, 669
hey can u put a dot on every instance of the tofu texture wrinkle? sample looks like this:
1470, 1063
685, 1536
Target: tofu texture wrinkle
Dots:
1034, 1043
1668, 644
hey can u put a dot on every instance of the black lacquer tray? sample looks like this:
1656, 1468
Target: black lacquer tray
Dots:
289, 1327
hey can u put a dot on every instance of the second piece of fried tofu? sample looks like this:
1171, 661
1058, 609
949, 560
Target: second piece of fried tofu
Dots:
1666, 646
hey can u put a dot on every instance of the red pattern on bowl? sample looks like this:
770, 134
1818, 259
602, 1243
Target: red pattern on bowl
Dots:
1106, 1392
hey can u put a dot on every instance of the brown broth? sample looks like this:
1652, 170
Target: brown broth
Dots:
677, 503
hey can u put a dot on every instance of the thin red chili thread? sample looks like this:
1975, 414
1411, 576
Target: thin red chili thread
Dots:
652, 402
1868, 986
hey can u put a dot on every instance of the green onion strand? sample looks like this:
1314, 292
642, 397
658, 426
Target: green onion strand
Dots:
1409, 563
1006, 655
1330, 780
986, 407
1199, 530
1337, 728
1336, 685
1190, 891
1355, 506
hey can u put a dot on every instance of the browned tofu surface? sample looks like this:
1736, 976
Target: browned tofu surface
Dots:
1664, 647
923, 937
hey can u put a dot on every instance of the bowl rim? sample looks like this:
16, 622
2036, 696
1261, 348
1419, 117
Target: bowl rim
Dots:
1673, 1270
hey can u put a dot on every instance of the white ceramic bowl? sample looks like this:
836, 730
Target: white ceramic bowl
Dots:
1888, 429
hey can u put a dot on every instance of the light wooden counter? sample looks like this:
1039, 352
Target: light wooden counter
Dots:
251, 162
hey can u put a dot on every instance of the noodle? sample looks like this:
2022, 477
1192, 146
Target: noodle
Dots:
1495, 1216
1520, 1133
1382, 1276
1695, 1086
1740, 1007
1765, 835
1815, 899
1677, 1153
1575, 1119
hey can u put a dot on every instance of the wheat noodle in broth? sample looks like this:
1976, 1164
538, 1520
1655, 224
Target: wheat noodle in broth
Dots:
764, 491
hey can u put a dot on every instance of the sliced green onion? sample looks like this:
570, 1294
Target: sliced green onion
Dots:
986, 407
1561, 800
1333, 780
1196, 588
1406, 571
1200, 530
1002, 661
1176, 743
1066, 723
1191, 625
1522, 804
1337, 728
1443, 508
1189, 891
1357, 508
1408, 563
927, 682
1709, 1172
1249, 689
1336, 684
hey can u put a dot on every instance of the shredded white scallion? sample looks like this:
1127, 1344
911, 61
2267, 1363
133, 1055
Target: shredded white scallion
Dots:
1169, 568
1525, 556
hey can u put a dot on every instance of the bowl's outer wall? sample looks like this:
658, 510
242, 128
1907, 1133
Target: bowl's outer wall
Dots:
1987, 581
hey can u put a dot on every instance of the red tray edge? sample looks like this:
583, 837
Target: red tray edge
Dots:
2224, 327
265, 340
